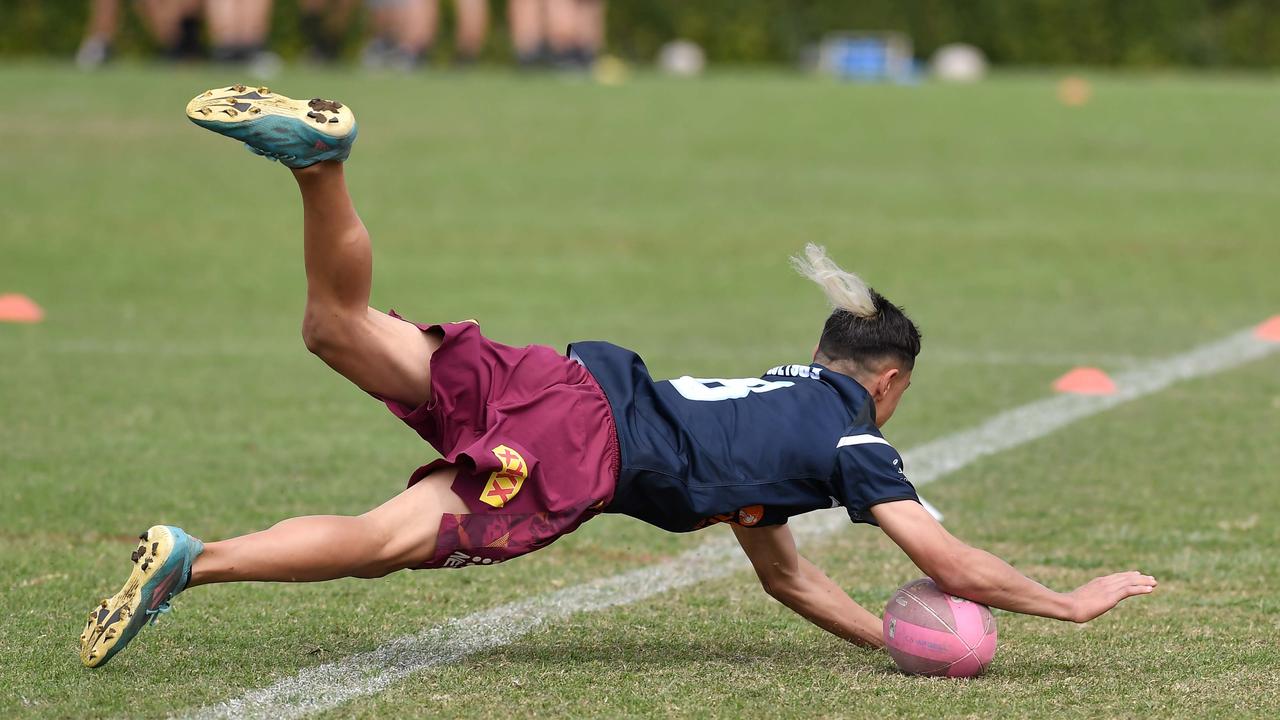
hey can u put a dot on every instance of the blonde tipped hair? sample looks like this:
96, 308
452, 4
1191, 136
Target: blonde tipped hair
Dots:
844, 290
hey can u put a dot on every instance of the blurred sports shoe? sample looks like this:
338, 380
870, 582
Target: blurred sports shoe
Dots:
377, 53
94, 52
298, 133
162, 569
265, 64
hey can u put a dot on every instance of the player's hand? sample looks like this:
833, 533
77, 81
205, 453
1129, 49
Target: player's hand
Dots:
1101, 594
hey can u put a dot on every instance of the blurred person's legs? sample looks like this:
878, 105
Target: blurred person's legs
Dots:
223, 19
473, 29
403, 33
381, 25
238, 28
528, 21
411, 28
417, 22
562, 33
575, 32
104, 23
175, 25
591, 29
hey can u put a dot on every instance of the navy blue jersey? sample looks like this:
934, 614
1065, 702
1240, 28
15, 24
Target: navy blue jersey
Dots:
753, 451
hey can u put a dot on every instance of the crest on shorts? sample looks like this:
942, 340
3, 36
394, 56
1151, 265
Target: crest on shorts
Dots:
505, 483
749, 516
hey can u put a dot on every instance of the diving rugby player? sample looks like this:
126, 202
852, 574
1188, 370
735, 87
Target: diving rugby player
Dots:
534, 443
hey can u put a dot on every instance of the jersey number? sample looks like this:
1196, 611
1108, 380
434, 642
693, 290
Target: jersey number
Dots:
712, 389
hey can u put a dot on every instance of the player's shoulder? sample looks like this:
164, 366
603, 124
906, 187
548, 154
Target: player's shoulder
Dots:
861, 435
863, 444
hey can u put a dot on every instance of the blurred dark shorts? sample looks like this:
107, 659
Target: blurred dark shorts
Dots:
531, 434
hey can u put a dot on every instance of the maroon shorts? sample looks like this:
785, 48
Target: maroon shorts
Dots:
532, 436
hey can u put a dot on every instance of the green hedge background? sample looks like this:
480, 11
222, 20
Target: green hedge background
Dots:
1140, 33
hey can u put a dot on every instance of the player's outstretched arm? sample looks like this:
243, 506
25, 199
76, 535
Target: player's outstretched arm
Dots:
801, 586
978, 575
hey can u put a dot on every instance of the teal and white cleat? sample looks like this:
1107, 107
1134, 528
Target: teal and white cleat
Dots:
162, 569
298, 133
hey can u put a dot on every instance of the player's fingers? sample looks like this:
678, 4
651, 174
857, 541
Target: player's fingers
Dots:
1122, 588
1132, 576
1132, 589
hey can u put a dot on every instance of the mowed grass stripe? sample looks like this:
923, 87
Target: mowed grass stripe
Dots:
332, 684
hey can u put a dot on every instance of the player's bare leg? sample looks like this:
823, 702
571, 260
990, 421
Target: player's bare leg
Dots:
382, 355
399, 534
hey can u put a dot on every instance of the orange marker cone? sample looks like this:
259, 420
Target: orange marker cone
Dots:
19, 309
1074, 91
1085, 381
1269, 330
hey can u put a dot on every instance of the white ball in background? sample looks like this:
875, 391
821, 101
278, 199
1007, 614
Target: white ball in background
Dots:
959, 62
683, 58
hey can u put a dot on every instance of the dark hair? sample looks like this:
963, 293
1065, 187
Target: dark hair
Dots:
887, 334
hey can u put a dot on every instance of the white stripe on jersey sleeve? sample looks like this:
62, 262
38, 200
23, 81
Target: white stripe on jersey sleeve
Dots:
867, 439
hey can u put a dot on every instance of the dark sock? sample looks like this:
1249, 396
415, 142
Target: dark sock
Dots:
322, 43
312, 26
188, 45
188, 36
234, 53
531, 59
567, 60
224, 53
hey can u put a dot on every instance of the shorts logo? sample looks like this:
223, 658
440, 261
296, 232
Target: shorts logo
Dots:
749, 516
504, 484
746, 517
461, 559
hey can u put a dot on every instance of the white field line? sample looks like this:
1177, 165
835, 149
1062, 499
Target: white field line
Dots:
332, 684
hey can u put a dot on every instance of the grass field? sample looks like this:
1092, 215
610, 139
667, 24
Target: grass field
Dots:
169, 383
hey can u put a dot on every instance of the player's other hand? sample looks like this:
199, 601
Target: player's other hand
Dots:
1101, 594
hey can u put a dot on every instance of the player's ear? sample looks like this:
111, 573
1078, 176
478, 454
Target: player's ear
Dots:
815, 351
884, 381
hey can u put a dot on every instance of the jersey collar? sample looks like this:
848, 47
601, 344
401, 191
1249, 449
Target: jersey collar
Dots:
855, 397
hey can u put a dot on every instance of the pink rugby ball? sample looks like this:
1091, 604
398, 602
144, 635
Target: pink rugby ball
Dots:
929, 632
